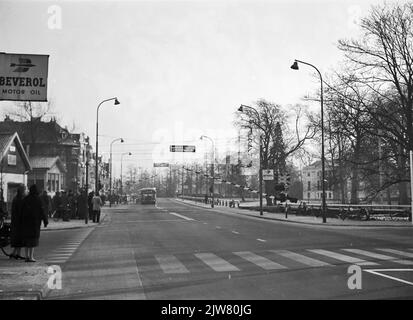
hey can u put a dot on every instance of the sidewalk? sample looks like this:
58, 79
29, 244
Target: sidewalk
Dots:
28, 281
308, 220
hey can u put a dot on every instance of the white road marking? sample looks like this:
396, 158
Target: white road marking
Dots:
181, 216
218, 227
375, 271
379, 256
301, 258
262, 240
343, 257
398, 252
216, 263
235, 232
170, 264
260, 261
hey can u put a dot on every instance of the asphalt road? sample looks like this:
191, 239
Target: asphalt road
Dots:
178, 251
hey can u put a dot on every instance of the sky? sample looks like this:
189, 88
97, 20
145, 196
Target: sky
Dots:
180, 69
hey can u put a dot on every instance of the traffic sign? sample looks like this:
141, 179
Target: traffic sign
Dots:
161, 164
181, 148
267, 174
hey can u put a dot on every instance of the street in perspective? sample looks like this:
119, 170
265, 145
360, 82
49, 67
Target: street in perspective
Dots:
228, 151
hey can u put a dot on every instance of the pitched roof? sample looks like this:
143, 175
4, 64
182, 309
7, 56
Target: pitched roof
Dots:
37, 131
6, 139
39, 162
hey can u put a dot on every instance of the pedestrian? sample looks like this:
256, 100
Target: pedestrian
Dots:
45, 203
57, 205
97, 204
16, 241
82, 206
65, 206
32, 217
90, 205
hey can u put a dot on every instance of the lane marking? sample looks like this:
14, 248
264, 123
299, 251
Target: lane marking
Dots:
215, 262
218, 227
378, 256
301, 258
376, 272
170, 264
398, 252
260, 261
235, 232
181, 216
262, 240
343, 257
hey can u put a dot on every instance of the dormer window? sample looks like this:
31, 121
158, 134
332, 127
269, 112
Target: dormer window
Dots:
63, 134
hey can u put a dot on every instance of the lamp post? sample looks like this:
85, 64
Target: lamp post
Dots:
97, 141
121, 160
323, 197
110, 170
241, 109
213, 169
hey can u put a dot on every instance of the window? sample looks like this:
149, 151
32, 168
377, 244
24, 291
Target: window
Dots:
12, 149
308, 195
308, 174
329, 195
11, 159
309, 185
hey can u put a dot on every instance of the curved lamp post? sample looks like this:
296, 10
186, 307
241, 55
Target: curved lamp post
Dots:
241, 109
323, 197
213, 169
97, 141
110, 170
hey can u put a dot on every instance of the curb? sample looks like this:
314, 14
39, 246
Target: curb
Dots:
90, 225
301, 222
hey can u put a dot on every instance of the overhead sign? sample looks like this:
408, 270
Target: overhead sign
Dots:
267, 174
23, 77
180, 148
161, 165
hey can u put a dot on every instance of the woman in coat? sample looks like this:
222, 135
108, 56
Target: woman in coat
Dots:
16, 241
32, 217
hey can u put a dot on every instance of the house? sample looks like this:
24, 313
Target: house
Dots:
312, 187
49, 139
48, 173
14, 166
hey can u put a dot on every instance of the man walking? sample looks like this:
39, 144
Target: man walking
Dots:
97, 204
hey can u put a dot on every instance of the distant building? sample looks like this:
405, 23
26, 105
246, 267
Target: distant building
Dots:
312, 187
14, 167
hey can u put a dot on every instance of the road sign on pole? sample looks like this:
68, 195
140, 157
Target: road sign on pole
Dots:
267, 174
161, 165
181, 148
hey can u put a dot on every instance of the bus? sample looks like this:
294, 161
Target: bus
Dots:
148, 195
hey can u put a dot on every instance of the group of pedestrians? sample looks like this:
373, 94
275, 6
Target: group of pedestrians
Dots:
29, 211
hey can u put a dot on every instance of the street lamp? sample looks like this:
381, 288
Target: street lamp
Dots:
110, 170
121, 159
213, 169
241, 109
97, 142
295, 67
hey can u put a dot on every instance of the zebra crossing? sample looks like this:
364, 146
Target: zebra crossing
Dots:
273, 260
62, 253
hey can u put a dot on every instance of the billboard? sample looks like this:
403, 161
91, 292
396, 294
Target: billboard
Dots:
23, 77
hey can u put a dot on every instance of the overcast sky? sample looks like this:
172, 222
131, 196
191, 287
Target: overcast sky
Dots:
179, 68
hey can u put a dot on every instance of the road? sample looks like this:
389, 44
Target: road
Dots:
179, 251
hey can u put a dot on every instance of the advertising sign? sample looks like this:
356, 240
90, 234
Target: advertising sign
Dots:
23, 77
